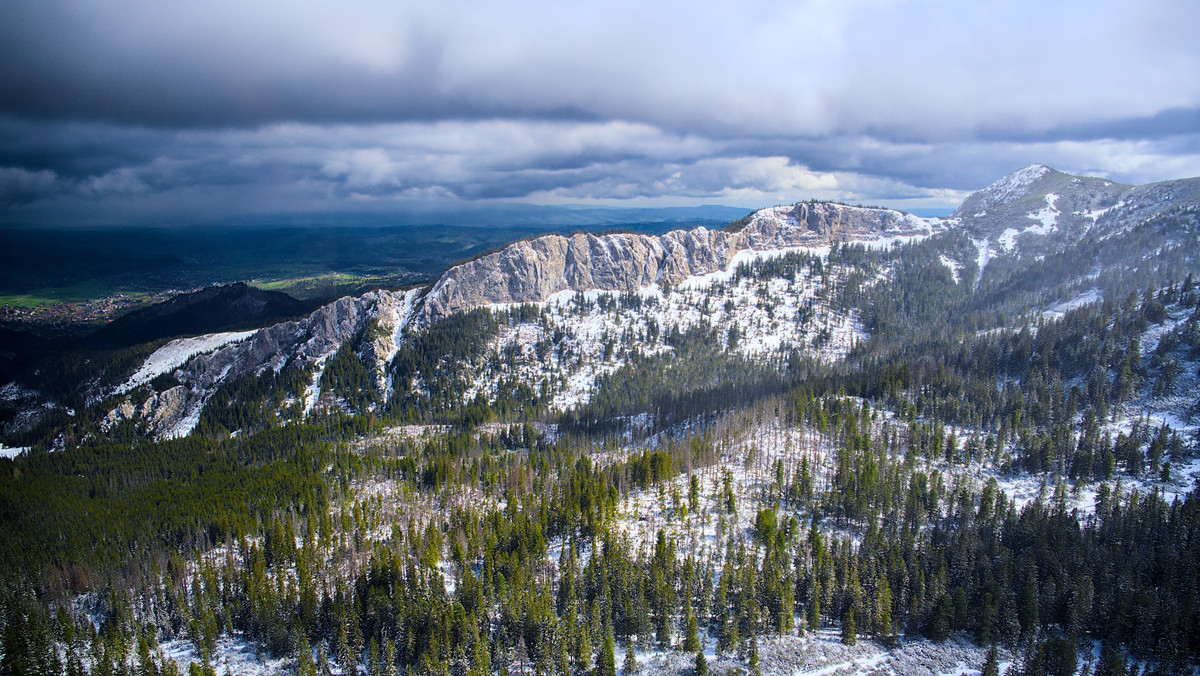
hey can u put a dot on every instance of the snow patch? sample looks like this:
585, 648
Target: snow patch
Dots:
176, 353
952, 265
1047, 216
984, 248
1008, 239
313, 392
11, 452
1062, 307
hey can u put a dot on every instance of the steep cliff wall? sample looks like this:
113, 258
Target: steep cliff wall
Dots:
533, 270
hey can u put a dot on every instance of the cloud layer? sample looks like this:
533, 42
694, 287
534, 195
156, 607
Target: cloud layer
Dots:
141, 108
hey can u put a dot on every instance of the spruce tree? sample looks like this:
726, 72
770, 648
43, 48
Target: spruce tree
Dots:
631, 665
991, 665
606, 662
304, 658
848, 631
691, 639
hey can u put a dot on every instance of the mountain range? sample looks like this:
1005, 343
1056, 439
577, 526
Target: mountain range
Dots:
1031, 239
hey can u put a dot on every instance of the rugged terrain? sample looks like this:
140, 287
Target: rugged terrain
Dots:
824, 439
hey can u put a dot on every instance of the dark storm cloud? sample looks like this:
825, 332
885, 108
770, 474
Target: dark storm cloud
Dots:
139, 107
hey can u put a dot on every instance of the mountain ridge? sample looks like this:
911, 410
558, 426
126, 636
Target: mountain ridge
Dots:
533, 270
1030, 213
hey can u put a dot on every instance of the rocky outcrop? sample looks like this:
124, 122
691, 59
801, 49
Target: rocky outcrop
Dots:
306, 341
534, 270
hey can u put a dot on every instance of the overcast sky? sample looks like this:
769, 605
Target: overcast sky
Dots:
144, 110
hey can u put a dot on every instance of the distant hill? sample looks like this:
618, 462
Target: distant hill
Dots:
216, 308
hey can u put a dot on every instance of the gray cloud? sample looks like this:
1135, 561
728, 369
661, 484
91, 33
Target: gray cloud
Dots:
149, 108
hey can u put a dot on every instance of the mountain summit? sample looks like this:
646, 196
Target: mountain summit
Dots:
1036, 209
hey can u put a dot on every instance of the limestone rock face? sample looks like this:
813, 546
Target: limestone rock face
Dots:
534, 270
164, 409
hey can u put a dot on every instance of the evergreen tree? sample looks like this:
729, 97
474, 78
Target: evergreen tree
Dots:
991, 665
606, 663
691, 635
849, 636
630, 666
304, 659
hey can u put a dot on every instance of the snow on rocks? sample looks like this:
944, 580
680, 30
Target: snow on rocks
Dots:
581, 336
821, 653
11, 452
1006, 190
176, 353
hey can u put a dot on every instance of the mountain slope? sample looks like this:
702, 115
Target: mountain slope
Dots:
1033, 239
1037, 210
210, 310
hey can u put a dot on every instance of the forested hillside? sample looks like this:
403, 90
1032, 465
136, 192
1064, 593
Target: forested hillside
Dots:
970, 449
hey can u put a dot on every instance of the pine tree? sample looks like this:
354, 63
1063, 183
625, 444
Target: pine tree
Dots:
631, 665
1111, 663
701, 664
848, 631
991, 666
389, 659
883, 605
304, 658
691, 639
606, 662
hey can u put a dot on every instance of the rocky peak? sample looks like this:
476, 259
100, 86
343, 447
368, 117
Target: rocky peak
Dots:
1013, 187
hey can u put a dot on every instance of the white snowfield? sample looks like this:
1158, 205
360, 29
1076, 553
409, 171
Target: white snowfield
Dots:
176, 353
1047, 216
10, 452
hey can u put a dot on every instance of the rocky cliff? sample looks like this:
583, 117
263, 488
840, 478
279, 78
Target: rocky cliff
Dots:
533, 270
308, 341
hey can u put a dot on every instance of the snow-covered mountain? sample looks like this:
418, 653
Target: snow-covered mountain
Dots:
1036, 209
533, 271
682, 280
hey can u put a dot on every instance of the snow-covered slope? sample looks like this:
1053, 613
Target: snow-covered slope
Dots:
176, 353
1035, 210
308, 342
583, 335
